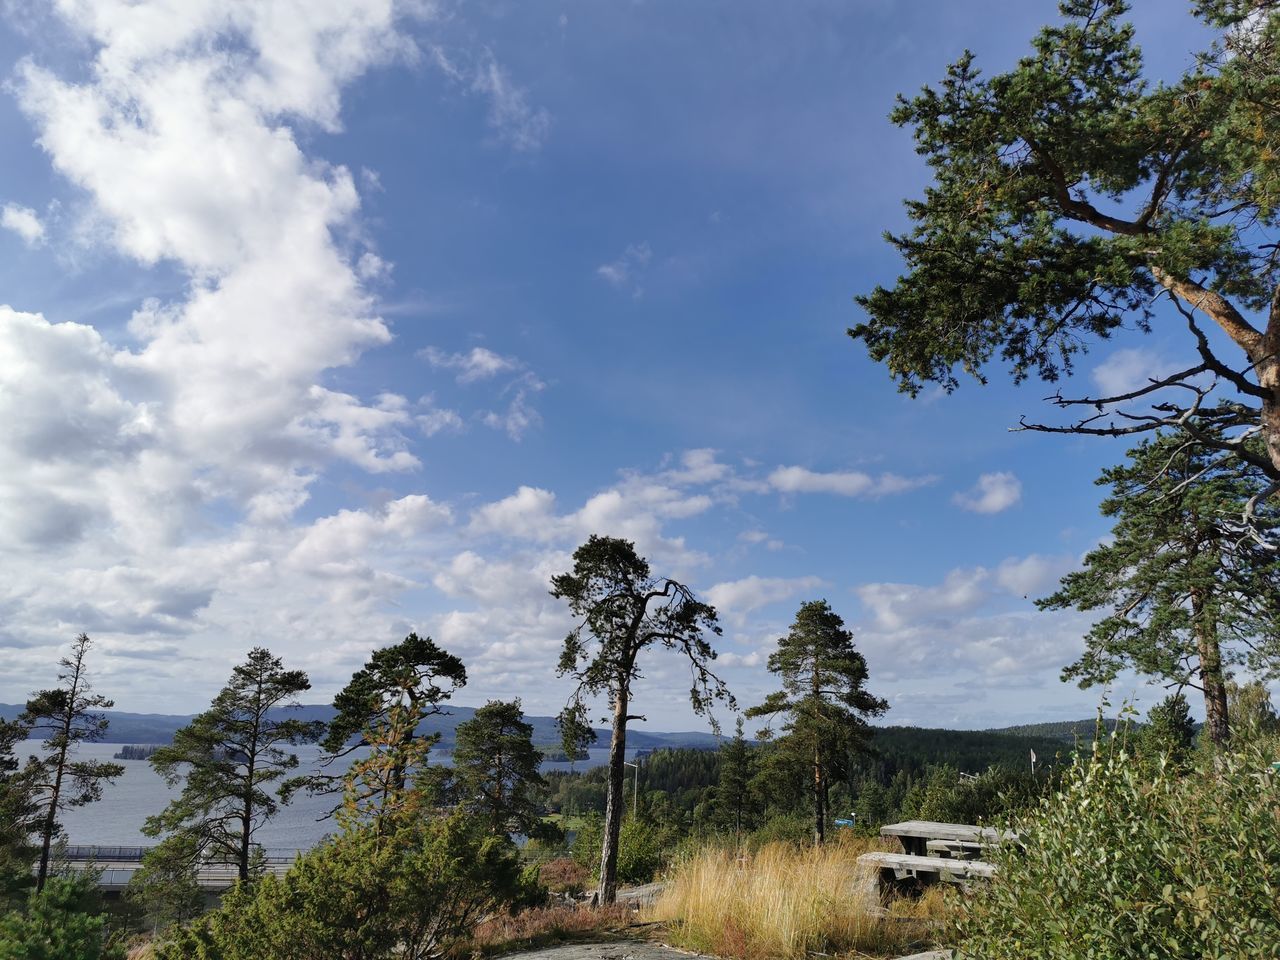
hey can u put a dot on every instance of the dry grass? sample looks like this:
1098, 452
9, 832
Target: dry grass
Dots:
543, 926
784, 903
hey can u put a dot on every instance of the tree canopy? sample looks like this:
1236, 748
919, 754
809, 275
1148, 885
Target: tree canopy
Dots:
231, 761
1070, 194
1184, 598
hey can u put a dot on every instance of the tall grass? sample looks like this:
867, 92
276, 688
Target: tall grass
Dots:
784, 902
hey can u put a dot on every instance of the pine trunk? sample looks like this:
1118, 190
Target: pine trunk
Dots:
1211, 678
614, 802
819, 807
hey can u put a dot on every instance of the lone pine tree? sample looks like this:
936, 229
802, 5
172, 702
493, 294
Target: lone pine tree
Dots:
621, 610
229, 758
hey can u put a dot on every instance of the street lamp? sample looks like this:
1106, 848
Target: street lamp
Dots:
635, 787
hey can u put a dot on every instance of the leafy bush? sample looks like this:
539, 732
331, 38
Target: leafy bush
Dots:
1133, 859
644, 848
363, 896
62, 922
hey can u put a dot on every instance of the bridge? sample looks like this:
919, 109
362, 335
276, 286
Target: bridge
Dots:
117, 865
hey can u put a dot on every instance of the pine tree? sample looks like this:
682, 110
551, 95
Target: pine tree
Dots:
380, 712
228, 760
823, 697
733, 793
18, 815
622, 609
1170, 729
495, 769
1184, 595
1071, 194
66, 716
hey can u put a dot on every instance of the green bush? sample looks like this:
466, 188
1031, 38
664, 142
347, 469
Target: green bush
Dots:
63, 922
1139, 860
410, 894
643, 848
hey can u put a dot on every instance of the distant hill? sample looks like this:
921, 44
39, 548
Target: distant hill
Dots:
914, 749
1067, 731
143, 728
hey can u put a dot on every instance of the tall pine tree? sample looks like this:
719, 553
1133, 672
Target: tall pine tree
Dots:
823, 698
65, 717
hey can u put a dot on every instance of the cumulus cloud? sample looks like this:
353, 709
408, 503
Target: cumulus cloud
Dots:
993, 493
737, 598
851, 483
24, 222
1128, 369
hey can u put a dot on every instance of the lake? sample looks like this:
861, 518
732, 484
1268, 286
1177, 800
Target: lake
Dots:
116, 819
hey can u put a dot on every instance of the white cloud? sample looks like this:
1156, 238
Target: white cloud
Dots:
736, 598
517, 123
520, 415
1128, 369
895, 605
24, 222
1033, 575
627, 269
993, 493
478, 363
850, 483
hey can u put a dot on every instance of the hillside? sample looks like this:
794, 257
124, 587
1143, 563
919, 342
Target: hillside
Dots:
1067, 731
125, 727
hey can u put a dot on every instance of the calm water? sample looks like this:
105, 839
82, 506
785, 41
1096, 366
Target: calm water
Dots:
116, 820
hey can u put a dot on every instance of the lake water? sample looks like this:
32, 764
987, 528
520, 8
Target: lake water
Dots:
116, 819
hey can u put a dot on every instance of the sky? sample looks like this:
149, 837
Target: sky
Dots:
323, 322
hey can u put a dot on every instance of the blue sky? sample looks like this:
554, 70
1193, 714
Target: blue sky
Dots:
335, 320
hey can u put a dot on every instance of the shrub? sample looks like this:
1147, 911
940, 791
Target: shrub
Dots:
62, 922
1132, 859
643, 848
409, 894
564, 875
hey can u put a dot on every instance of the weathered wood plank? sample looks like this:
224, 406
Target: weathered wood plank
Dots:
904, 865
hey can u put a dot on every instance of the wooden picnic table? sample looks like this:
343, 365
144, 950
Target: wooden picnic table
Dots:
914, 835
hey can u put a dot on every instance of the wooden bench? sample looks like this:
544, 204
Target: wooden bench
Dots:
899, 868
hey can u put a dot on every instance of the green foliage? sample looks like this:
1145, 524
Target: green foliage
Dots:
1183, 594
18, 820
410, 893
1170, 730
735, 800
644, 847
64, 717
165, 887
1133, 859
495, 770
61, 922
380, 710
1253, 715
824, 698
229, 758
